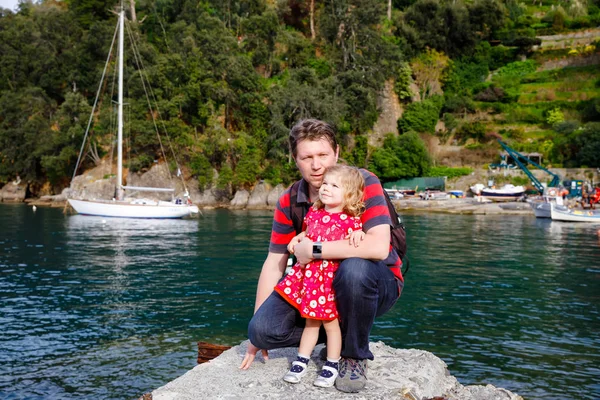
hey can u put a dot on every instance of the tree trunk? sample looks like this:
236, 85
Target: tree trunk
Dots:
132, 9
389, 13
313, 35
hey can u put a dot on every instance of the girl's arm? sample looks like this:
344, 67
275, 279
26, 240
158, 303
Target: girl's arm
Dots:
297, 239
356, 237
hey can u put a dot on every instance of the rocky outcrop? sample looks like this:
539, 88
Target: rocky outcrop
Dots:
259, 195
394, 374
240, 199
15, 191
274, 195
157, 176
391, 110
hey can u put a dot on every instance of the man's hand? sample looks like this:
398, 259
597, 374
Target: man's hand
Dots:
303, 251
251, 354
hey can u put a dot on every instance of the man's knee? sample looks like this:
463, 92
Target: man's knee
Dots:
257, 333
352, 270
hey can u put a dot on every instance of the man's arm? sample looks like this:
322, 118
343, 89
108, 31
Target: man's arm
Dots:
375, 246
272, 270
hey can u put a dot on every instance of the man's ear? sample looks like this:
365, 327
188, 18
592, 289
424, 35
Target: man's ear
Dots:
337, 153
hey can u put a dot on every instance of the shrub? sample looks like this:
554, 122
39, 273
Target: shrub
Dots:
475, 130
225, 176
517, 69
490, 94
516, 133
421, 116
456, 103
402, 156
500, 56
566, 127
555, 116
202, 170
450, 172
141, 163
450, 121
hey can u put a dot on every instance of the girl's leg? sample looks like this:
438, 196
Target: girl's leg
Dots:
310, 337
330, 370
334, 339
307, 344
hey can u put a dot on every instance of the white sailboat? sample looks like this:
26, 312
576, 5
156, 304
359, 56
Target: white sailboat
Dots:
120, 206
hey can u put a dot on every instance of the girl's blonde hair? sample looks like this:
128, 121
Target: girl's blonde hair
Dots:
353, 185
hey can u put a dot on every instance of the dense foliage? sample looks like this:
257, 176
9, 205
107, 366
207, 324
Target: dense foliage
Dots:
230, 79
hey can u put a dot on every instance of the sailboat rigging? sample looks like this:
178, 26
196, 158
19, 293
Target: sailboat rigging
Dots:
121, 206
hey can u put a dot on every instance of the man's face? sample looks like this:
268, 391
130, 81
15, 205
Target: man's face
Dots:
313, 157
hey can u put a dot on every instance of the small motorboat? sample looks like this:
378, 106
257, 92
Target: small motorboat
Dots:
434, 195
541, 205
562, 213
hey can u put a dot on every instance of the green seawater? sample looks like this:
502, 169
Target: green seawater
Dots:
112, 308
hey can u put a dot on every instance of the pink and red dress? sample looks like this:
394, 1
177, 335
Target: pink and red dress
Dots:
309, 288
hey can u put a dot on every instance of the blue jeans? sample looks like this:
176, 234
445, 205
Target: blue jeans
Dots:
364, 290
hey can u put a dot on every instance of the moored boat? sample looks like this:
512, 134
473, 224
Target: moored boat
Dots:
541, 205
121, 206
506, 193
561, 213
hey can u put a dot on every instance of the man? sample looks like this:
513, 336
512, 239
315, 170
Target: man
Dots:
367, 283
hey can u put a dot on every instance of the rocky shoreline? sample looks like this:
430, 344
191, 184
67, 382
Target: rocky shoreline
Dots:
462, 206
95, 184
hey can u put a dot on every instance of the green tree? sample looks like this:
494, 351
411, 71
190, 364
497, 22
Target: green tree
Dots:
404, 156
421, 116
588, 143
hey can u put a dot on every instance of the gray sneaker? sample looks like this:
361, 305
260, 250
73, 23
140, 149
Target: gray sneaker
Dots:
353, 375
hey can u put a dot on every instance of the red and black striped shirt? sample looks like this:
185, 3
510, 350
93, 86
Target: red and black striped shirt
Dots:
376, 213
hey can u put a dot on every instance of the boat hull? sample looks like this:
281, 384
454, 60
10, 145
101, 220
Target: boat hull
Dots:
120, 209
568, 215
541, 209
494, 196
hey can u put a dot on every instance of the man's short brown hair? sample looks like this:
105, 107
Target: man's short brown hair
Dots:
311, 129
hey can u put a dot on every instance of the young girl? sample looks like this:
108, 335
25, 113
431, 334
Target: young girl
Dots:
334, 216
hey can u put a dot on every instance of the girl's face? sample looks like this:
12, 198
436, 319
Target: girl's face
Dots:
331, 193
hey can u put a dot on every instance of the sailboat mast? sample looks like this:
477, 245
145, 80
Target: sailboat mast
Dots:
120, 111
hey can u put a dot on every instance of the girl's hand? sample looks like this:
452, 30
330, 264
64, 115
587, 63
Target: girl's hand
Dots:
355, 238
297, 239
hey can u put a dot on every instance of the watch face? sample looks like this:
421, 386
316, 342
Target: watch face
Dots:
317, 250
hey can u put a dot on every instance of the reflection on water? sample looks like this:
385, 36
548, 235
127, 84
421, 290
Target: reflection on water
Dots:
112, 308
511, 301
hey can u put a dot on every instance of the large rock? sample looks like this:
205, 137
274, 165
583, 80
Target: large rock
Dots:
88, 187
157, 176
14, 192
240, 200
274, 195
259, 195
394, 374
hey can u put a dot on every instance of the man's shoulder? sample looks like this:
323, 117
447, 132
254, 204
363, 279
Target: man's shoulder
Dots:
284, 198
368, 176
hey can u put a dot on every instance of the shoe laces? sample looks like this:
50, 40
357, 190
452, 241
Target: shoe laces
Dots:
355, 367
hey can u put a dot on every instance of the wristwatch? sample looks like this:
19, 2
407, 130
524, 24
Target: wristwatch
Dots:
317, 250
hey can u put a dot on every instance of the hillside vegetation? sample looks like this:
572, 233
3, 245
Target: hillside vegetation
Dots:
232, 77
